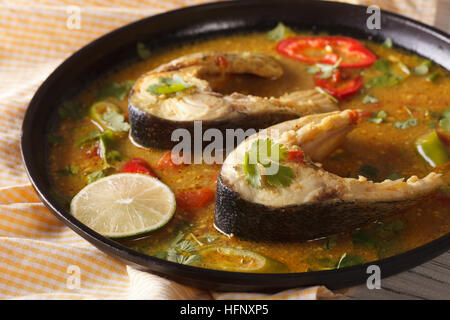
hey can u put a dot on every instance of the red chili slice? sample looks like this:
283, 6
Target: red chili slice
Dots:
340, 85
166, 161
191, 200
296, 156
327, 50
138, 165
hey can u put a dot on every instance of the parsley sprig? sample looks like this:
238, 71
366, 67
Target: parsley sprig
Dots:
169, 85
266, 153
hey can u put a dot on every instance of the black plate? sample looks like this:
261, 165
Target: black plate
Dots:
190, 23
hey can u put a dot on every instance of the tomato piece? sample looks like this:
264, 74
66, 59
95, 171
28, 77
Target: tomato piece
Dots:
137, 165
296, 156
222, 61
191, 200
166, 161
327, 50
340, 86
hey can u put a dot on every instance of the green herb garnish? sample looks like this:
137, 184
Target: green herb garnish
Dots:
444, 120
267, 153
411, 122
388, 79
433, 77
114, 89
96, 175
381, 236
369, 99
325, 70
348, 260
279, 32
327, 94
71, 110
423, 68
388, 43
330, 243
69, 170
168, 86
116, 121
377, 117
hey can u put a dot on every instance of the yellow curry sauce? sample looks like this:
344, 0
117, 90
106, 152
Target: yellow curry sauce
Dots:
383, 146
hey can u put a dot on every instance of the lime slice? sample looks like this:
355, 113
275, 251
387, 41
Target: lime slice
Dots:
124, 205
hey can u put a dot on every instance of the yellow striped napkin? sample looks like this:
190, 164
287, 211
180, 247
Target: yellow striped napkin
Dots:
40, 258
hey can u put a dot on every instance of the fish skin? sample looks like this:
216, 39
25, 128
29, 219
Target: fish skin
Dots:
151, 129
317, 203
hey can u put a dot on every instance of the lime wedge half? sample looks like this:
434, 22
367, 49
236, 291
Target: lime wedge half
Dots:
124, 205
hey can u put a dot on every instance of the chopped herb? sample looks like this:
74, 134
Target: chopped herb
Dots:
386, 80
283, 178
382, 65
369, 99
71, 110
388, 43
279, 32
69, 170
142, 51
403, 67
267, 153
377, 117
210, 238
96, 175
445, 124
325, 70
116, 121
251, 170
433, 77
411, 122
330, 243
160, 255
327, 94
107, 135
348, 260
380, 236
114, 89
368, 171
169, 85
444, 120
423, 68
114, 155
180, 251
432, 125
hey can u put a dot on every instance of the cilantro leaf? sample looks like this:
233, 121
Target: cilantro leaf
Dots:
71, 110
388, 43
96, 175
377, 117
252, 172
283, 178
369, 99
168, 85
267, 153
411, 122
114, 89
116, 121
348, 260
279, 32
69, 170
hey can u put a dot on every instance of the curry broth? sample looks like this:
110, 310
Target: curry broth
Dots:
388, 149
